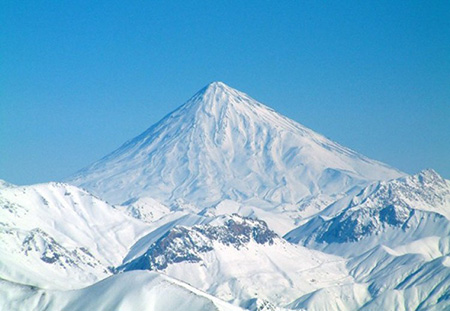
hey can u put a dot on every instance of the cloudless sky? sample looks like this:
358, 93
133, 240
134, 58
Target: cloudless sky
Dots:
79, 78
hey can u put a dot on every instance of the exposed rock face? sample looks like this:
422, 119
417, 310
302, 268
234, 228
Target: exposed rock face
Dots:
355, 225
387, 204
51, 252
384, 210
38, 244
51, 233
186, 243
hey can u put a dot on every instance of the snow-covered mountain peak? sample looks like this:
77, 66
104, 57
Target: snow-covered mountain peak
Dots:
391, 212
218, 102
428, 178
222, 144
218, 88
426, 190
219, 92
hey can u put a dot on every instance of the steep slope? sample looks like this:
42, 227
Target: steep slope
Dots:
222, 144
240, 260
392, 213
425, 288
58, 236
144, 291
396, 235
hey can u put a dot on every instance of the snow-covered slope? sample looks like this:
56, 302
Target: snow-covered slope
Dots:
58, 236
222, 144
240, 260
392, 213
143, 291
146, 209
396, 235
202, 196
425, 287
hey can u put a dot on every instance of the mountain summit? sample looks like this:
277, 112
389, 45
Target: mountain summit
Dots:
222, 144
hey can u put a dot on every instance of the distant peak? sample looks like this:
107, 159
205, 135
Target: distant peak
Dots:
218, 87
429, 175
217, 84
428, 172
218, 94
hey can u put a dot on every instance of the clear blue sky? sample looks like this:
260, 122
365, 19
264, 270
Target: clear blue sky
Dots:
78, 78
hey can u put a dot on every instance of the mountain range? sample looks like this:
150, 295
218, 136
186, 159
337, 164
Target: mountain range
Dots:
225, 204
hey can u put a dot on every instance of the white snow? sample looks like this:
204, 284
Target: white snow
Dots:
224, 145
277, 272
136, 290
54, 232
369, 237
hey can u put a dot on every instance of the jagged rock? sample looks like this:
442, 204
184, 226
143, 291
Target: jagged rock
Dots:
185, 243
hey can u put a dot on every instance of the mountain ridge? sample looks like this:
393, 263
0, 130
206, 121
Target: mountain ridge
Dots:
210, 196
